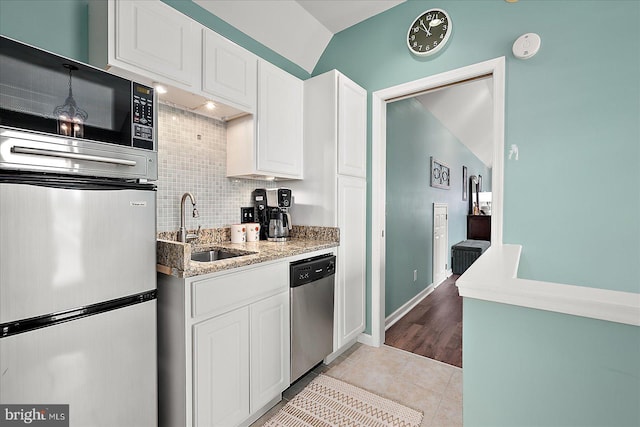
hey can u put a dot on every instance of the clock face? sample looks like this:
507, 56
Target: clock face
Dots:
429, 32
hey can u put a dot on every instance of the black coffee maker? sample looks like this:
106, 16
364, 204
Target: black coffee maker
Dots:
272, 208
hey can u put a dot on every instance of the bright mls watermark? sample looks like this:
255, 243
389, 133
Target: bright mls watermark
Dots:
34, 415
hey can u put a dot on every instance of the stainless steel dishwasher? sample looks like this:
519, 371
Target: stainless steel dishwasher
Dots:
312, 291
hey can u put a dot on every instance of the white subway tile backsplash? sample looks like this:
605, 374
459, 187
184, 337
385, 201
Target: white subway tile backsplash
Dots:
192, 156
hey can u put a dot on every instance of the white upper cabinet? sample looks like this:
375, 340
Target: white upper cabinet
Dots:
335, 143
352, 128
271, 145
147, 38
279, 121
228, 71
151, 42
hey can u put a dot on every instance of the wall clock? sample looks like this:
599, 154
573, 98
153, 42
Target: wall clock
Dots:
429, 32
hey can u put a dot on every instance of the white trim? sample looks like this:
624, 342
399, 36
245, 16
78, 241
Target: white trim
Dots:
378, 201
408, 306
366, 339
378, 168
333, 356
493, 277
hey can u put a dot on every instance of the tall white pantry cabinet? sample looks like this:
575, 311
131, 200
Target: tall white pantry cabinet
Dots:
333, 192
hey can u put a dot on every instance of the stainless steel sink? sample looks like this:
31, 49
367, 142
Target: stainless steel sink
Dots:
217, 254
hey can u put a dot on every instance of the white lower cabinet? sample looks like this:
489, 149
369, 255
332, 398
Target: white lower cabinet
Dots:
269, 351
350, 284
241, 361
220, 369
223, 345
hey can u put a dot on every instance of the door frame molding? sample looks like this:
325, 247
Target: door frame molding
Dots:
494, 67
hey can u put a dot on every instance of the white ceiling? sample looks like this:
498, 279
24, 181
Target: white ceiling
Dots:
299, 30
466, 109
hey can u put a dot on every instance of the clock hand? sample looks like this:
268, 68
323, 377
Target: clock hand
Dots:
425, 28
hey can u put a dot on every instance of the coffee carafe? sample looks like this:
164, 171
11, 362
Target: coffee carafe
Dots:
278, 225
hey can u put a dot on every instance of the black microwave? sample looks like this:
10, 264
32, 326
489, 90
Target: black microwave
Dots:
45, 93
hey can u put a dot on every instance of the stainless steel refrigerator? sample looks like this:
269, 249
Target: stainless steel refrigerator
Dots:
77, 298
78, 280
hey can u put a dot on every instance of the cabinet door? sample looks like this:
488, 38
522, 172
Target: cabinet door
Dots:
152, 36
350, 286
221, 369
229, 71
352, 128
279, 142
269, 349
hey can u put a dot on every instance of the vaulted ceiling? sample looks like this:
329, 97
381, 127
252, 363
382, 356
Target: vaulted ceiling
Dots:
299, 30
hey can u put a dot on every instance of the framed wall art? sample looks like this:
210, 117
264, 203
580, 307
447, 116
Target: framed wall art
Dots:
440, 174
465, 184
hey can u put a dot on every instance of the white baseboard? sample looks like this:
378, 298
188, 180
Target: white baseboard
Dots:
406, 307
333, 356
367, 339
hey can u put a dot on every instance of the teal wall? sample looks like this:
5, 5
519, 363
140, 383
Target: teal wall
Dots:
59, 26
574, 112
413, 136
572, 109
525, 367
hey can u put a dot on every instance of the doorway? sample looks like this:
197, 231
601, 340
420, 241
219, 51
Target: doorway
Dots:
495, 69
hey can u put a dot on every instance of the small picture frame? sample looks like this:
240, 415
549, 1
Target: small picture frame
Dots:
440, 174
465, 184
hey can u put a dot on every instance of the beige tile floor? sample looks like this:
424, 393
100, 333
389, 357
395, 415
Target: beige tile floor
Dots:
415, 381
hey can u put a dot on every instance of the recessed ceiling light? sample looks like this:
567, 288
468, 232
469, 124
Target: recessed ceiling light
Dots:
159, 88
210, 105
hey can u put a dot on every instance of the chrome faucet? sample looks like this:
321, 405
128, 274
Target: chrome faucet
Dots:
182, 234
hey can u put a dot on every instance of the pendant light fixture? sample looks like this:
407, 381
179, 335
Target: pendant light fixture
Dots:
71, 118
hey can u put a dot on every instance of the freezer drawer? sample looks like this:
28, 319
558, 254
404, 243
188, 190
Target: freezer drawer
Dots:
103, 366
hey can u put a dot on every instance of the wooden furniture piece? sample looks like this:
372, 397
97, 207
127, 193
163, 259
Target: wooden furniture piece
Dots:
479, 227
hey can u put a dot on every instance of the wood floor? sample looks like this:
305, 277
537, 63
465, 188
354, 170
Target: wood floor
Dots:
433, 328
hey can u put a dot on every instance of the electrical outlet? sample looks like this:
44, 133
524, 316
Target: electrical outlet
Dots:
415, 275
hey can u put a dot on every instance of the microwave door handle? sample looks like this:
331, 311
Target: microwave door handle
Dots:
76, 156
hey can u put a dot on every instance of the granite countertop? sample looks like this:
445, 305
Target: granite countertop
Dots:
174, 258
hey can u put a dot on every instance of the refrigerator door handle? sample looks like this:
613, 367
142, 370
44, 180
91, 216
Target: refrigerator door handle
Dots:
75, 156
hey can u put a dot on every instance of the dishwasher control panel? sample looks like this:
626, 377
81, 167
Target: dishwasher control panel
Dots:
312, 269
